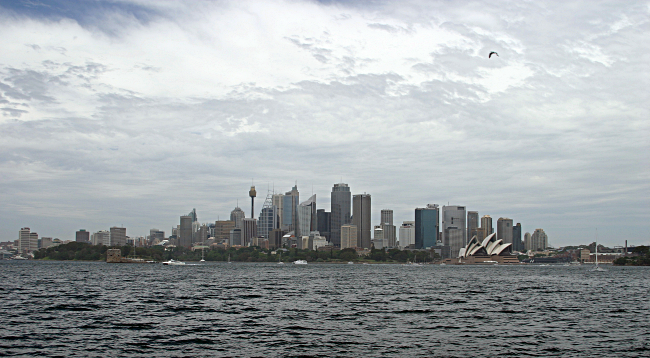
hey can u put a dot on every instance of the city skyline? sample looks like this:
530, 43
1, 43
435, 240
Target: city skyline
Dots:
129, 114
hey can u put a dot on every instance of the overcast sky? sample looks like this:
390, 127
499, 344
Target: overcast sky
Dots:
134, 112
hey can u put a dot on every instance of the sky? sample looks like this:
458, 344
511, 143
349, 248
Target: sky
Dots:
131, 113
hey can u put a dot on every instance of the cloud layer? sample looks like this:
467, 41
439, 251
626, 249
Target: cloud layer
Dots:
133, 113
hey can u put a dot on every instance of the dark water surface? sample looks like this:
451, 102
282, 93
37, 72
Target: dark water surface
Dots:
69, 309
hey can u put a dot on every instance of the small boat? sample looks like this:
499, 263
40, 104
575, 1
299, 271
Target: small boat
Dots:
202, 256
350, 263
173, 262
300, 262
597, 268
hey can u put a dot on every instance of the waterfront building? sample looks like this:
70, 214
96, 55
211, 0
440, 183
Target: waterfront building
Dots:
427, 226
489, 250
27, 241
340, 211
185, 231
249, 231
82, 236
486, 225
348, 236
46, 242
472, 223
407, 234
117, 236
504, 231
361, 208
517, 245
454, 227
324, 219
539, 240
237, 215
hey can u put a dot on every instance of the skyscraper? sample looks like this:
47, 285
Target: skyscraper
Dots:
539, 240
454, 228
268, 218
340, 209
472, 223
388, 228
185, 232
306, 218
361, 206
278, 201
426, 226
324, 220
528, 242
504, 231
237, 215
193, 215
289, 208
486, 225
407, 234
516, 238
222, 229
102, 237
27, 240
248, 231
118, 236
348, 236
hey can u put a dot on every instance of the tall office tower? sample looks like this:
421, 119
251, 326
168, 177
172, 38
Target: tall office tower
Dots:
387, 216
252, 193
268, 217
27, 241
307, 217
248, 231
192, 214
235, 237
479, 233
472, 223
185, 232
237, 215
454, 220
101, 237
504, 232
340, 209
427, 225
118, 236
324, 220
539, 240
278, 202
528, 242
289, 213
222, 229
486, 225
388, 228
516, 238
275, 238
378, 237
201, 234
407, 234
361, 208
348, 236
82, 236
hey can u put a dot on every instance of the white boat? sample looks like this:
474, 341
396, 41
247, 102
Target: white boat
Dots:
350, 263
173, 262
202, 256
597, 268
300, 262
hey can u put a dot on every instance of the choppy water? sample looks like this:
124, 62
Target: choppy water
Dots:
266, 310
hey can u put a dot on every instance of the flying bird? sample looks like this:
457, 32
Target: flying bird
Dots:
493, 53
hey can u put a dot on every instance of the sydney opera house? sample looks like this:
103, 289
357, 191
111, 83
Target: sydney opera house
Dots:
489, 250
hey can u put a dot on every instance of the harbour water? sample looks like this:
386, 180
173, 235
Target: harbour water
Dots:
67, 309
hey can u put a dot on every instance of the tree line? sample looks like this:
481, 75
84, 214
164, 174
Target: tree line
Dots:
85, 252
